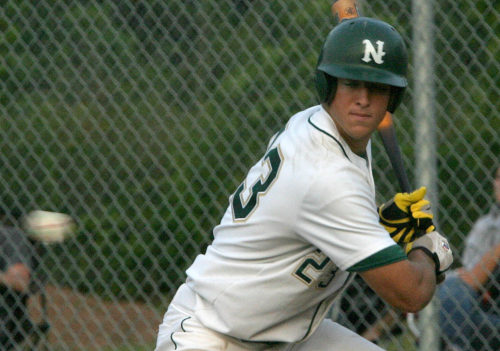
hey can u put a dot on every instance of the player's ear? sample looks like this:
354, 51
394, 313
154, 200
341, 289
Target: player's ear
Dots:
395, 98
326, 87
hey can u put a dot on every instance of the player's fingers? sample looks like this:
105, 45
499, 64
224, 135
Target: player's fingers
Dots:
403, 236
430, 228
394, 222
421, 209
404, 200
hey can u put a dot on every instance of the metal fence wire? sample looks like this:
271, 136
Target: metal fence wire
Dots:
140, 117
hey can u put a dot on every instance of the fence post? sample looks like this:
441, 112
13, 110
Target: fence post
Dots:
424, 97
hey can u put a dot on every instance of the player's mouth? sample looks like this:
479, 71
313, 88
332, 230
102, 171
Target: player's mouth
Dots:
361, 115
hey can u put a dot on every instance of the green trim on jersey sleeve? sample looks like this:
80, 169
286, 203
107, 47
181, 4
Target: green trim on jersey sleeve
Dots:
384, 257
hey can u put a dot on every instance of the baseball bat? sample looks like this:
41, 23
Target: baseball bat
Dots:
346, 9
387, 133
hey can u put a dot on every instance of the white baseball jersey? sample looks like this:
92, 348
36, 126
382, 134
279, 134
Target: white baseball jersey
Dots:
302, 220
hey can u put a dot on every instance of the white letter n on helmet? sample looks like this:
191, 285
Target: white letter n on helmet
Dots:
370, 51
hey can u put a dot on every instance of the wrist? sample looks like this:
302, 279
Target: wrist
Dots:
422, 254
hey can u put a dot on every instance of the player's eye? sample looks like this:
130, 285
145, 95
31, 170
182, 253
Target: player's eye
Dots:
351, 83
378, 88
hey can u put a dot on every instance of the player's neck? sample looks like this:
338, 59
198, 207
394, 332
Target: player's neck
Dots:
356, 146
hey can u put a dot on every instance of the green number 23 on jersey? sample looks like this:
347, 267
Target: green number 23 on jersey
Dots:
245, 202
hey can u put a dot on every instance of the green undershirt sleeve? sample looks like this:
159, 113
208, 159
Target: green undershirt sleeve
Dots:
384, 257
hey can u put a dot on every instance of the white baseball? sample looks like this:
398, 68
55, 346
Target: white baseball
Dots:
49, 227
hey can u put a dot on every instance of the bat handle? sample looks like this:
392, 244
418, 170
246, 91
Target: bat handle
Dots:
389, 139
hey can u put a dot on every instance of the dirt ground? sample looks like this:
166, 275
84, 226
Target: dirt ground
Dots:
83, 322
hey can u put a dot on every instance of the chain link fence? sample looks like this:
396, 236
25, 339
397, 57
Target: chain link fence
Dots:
139, 118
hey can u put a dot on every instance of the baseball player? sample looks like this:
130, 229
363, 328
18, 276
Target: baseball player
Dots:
304, 221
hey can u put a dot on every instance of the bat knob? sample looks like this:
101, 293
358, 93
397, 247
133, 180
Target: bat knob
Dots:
344, 9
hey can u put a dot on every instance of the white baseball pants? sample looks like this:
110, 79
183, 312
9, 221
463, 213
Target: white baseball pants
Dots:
181, 331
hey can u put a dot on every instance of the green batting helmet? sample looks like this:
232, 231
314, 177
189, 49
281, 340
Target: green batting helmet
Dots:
363, 49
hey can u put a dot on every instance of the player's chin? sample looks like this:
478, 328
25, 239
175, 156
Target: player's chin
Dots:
362, 131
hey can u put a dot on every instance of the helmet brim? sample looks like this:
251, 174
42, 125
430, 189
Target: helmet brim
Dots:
364, 73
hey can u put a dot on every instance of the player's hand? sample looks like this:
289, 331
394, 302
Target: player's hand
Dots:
437, 247
407, 216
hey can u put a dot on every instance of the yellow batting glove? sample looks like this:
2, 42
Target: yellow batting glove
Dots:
422, 215
407, 216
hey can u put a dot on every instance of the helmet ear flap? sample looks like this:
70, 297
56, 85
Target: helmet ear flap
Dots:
395, 98
325, 86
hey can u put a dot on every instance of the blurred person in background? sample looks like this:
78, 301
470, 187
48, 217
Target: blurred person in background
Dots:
17, 261
470, 300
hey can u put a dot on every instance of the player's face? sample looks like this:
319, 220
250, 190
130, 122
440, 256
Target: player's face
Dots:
357, 110
496, 184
